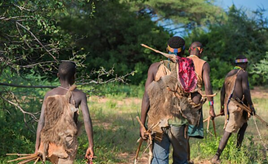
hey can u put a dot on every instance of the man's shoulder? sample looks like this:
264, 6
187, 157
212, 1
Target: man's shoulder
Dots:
51, 92
153, 67
194, 57
243, 74
156, 64
78, 91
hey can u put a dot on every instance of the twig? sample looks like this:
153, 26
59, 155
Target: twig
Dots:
18, 106
40, 63
21, 158
18, 154
38, 41
26, 86
21, 7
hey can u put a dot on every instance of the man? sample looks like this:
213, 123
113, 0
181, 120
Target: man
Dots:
56, 136
202, 70
235, 87
163, 103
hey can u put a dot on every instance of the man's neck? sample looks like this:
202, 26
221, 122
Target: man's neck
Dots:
65, 84
195, 55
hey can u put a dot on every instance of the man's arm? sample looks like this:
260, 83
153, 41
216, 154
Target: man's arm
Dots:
40, 126
208, 87
145, 105
222, 98
246, 90
88, 126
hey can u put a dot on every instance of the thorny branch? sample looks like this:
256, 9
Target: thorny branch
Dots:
17, 23
26, 86
101, 73
21, 7
16, 104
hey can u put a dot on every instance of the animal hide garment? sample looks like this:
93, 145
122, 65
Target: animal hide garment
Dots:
59, 125
168, 100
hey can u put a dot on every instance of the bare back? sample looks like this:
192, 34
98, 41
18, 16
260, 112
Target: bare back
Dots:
241, 87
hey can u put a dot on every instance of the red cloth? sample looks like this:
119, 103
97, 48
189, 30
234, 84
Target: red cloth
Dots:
186, 74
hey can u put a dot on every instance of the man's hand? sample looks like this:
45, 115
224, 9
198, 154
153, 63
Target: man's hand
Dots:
89, 154
143, 133
212, 113
253, 112
36, 151
222, 110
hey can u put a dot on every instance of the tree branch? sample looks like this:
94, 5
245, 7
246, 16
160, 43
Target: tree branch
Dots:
26, 86
38, 41
20, 108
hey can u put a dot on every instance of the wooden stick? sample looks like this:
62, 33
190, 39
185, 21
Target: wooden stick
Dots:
239, 103
37, 159
18, 154
208, 123
138, 150
214, 127
21, 158
27, 160
213, 123
140, 140
209, 95
214, 117
157, 51
171, 57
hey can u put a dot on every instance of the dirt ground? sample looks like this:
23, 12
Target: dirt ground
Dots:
259, 92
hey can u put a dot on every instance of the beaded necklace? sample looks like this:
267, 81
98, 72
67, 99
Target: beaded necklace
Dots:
237, 67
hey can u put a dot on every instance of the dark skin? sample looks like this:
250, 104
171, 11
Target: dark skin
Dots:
241, 86
241, 90
145, 105
206, 82
206, 77
80, 100
195, 96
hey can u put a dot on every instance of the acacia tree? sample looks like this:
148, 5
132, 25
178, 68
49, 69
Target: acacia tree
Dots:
180, 14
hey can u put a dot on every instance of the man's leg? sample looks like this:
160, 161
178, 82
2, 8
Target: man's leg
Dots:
188, 149
240, 135
73, 145
161, 151
222, 145
195, 132
179, 143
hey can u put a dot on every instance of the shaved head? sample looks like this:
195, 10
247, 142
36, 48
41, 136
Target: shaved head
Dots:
196, 48
196, 44
67, 70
